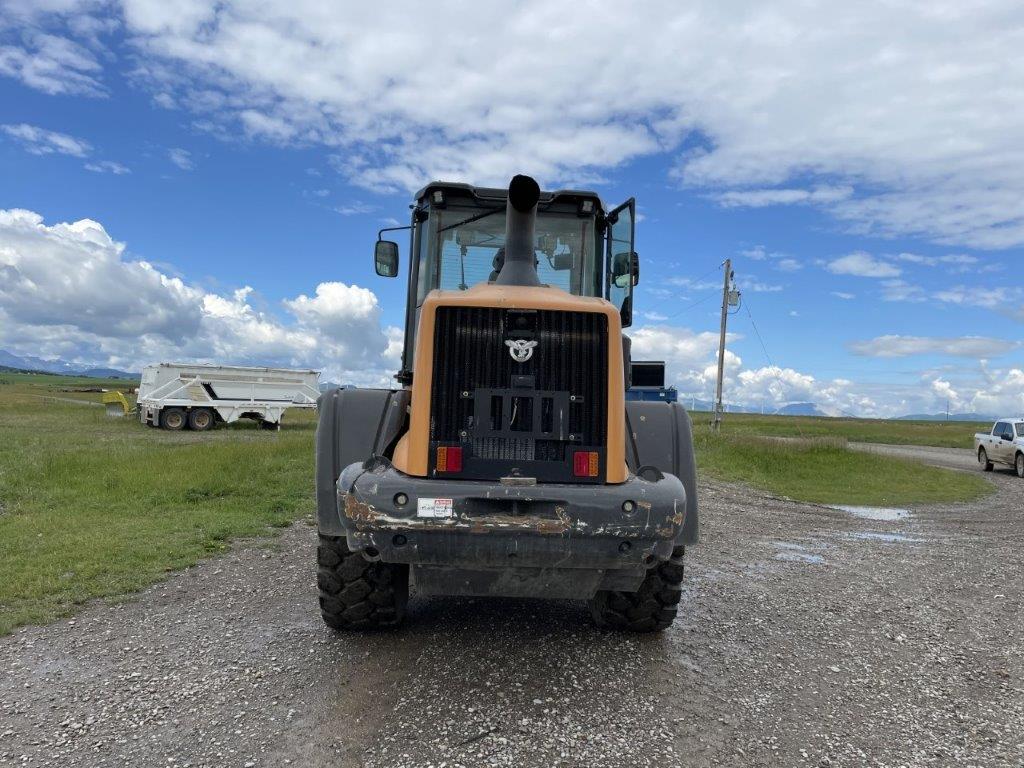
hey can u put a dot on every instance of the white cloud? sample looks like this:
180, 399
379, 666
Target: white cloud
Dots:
894, 345
908, 134
759, 198
107, 166
67, 290
181, 158
978, 296
39, 141
844, 296
788, 265
900, 290
355, 208
862, 264
53, 64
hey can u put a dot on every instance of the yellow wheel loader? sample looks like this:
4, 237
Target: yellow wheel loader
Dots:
507, 462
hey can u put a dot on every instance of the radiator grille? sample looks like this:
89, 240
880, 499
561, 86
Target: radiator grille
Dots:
472, 362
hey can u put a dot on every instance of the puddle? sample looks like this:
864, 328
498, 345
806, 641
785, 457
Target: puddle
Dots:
892, 538
887, 514
795, 553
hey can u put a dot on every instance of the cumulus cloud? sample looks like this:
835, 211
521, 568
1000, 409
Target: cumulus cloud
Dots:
39, 141
907, 134
894, 345
70, 290
862, 264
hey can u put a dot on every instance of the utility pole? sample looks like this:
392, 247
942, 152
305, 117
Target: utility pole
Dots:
727, 299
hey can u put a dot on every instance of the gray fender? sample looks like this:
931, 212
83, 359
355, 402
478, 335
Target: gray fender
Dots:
660, 435
354, 425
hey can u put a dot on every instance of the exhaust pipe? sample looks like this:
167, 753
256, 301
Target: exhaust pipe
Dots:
520, 267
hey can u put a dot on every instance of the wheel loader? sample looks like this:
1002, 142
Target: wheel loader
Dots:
507, 461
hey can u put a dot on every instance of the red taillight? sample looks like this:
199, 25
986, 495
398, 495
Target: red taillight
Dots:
584, 463
449, 459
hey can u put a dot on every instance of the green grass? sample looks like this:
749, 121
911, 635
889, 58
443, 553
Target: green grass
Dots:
92, 506
952, 434
825, 471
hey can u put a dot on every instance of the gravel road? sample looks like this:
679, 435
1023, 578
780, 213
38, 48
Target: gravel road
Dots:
810, 637
951, 458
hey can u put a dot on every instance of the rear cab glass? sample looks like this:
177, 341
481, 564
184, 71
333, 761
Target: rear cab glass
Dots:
1020, 429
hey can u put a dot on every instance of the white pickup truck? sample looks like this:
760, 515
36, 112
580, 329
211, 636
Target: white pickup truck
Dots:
1003, 444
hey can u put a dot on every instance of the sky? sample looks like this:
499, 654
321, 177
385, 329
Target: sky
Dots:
191, 181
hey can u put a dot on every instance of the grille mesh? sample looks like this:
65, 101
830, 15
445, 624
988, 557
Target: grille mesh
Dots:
470, 354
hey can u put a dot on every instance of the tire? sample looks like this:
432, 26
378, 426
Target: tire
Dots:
201, 419
652, 608
274, 425
356, 593
173, 419
986, 465
1019, 464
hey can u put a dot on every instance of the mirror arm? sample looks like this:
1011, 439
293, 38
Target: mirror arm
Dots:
380, 232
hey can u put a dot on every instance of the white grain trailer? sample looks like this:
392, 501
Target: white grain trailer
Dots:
196, 397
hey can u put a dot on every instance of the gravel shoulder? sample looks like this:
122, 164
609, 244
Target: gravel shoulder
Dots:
808, 637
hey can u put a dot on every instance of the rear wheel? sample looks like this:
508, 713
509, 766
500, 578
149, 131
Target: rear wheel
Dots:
651, 608
1020, 465
173, 419
356, 593
986, 465
201, 419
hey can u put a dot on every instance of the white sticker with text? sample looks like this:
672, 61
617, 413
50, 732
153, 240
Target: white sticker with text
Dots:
434, 508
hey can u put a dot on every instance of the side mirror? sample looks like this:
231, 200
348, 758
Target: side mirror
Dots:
621, 270
385, 258
636, 268
1007, 436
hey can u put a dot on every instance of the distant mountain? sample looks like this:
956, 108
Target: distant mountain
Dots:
800, 409
942, 417
37, 364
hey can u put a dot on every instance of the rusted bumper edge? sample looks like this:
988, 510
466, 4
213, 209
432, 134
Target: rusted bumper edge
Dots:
475, 524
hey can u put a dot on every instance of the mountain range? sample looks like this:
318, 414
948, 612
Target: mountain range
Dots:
38, 365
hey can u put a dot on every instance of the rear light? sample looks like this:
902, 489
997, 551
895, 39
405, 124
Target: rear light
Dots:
584, 463
449, 459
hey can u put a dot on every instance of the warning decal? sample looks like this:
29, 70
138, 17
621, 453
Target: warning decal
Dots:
434, 508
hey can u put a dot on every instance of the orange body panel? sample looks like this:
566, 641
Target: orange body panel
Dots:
412, 452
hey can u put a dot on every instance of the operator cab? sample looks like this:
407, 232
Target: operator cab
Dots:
458, 241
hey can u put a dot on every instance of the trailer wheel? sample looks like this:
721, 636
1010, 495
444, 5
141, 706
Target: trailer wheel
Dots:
201, 419
173, 418
356, 593
652, 608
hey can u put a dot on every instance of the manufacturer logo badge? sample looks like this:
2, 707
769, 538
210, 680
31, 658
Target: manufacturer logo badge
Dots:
520, 349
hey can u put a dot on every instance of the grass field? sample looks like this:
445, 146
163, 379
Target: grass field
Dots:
95, 507
823, 470
951, 434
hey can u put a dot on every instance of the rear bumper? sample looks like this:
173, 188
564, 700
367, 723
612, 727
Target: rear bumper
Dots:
481, 537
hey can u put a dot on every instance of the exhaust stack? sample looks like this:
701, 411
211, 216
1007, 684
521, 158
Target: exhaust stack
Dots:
520, 267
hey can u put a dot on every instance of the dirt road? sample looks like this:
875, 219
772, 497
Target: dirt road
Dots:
811, 637
951, 458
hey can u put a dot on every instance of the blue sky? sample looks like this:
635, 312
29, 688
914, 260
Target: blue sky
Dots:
179, 181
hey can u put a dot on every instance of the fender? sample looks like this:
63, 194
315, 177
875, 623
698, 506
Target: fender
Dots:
660, 435
355, 425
